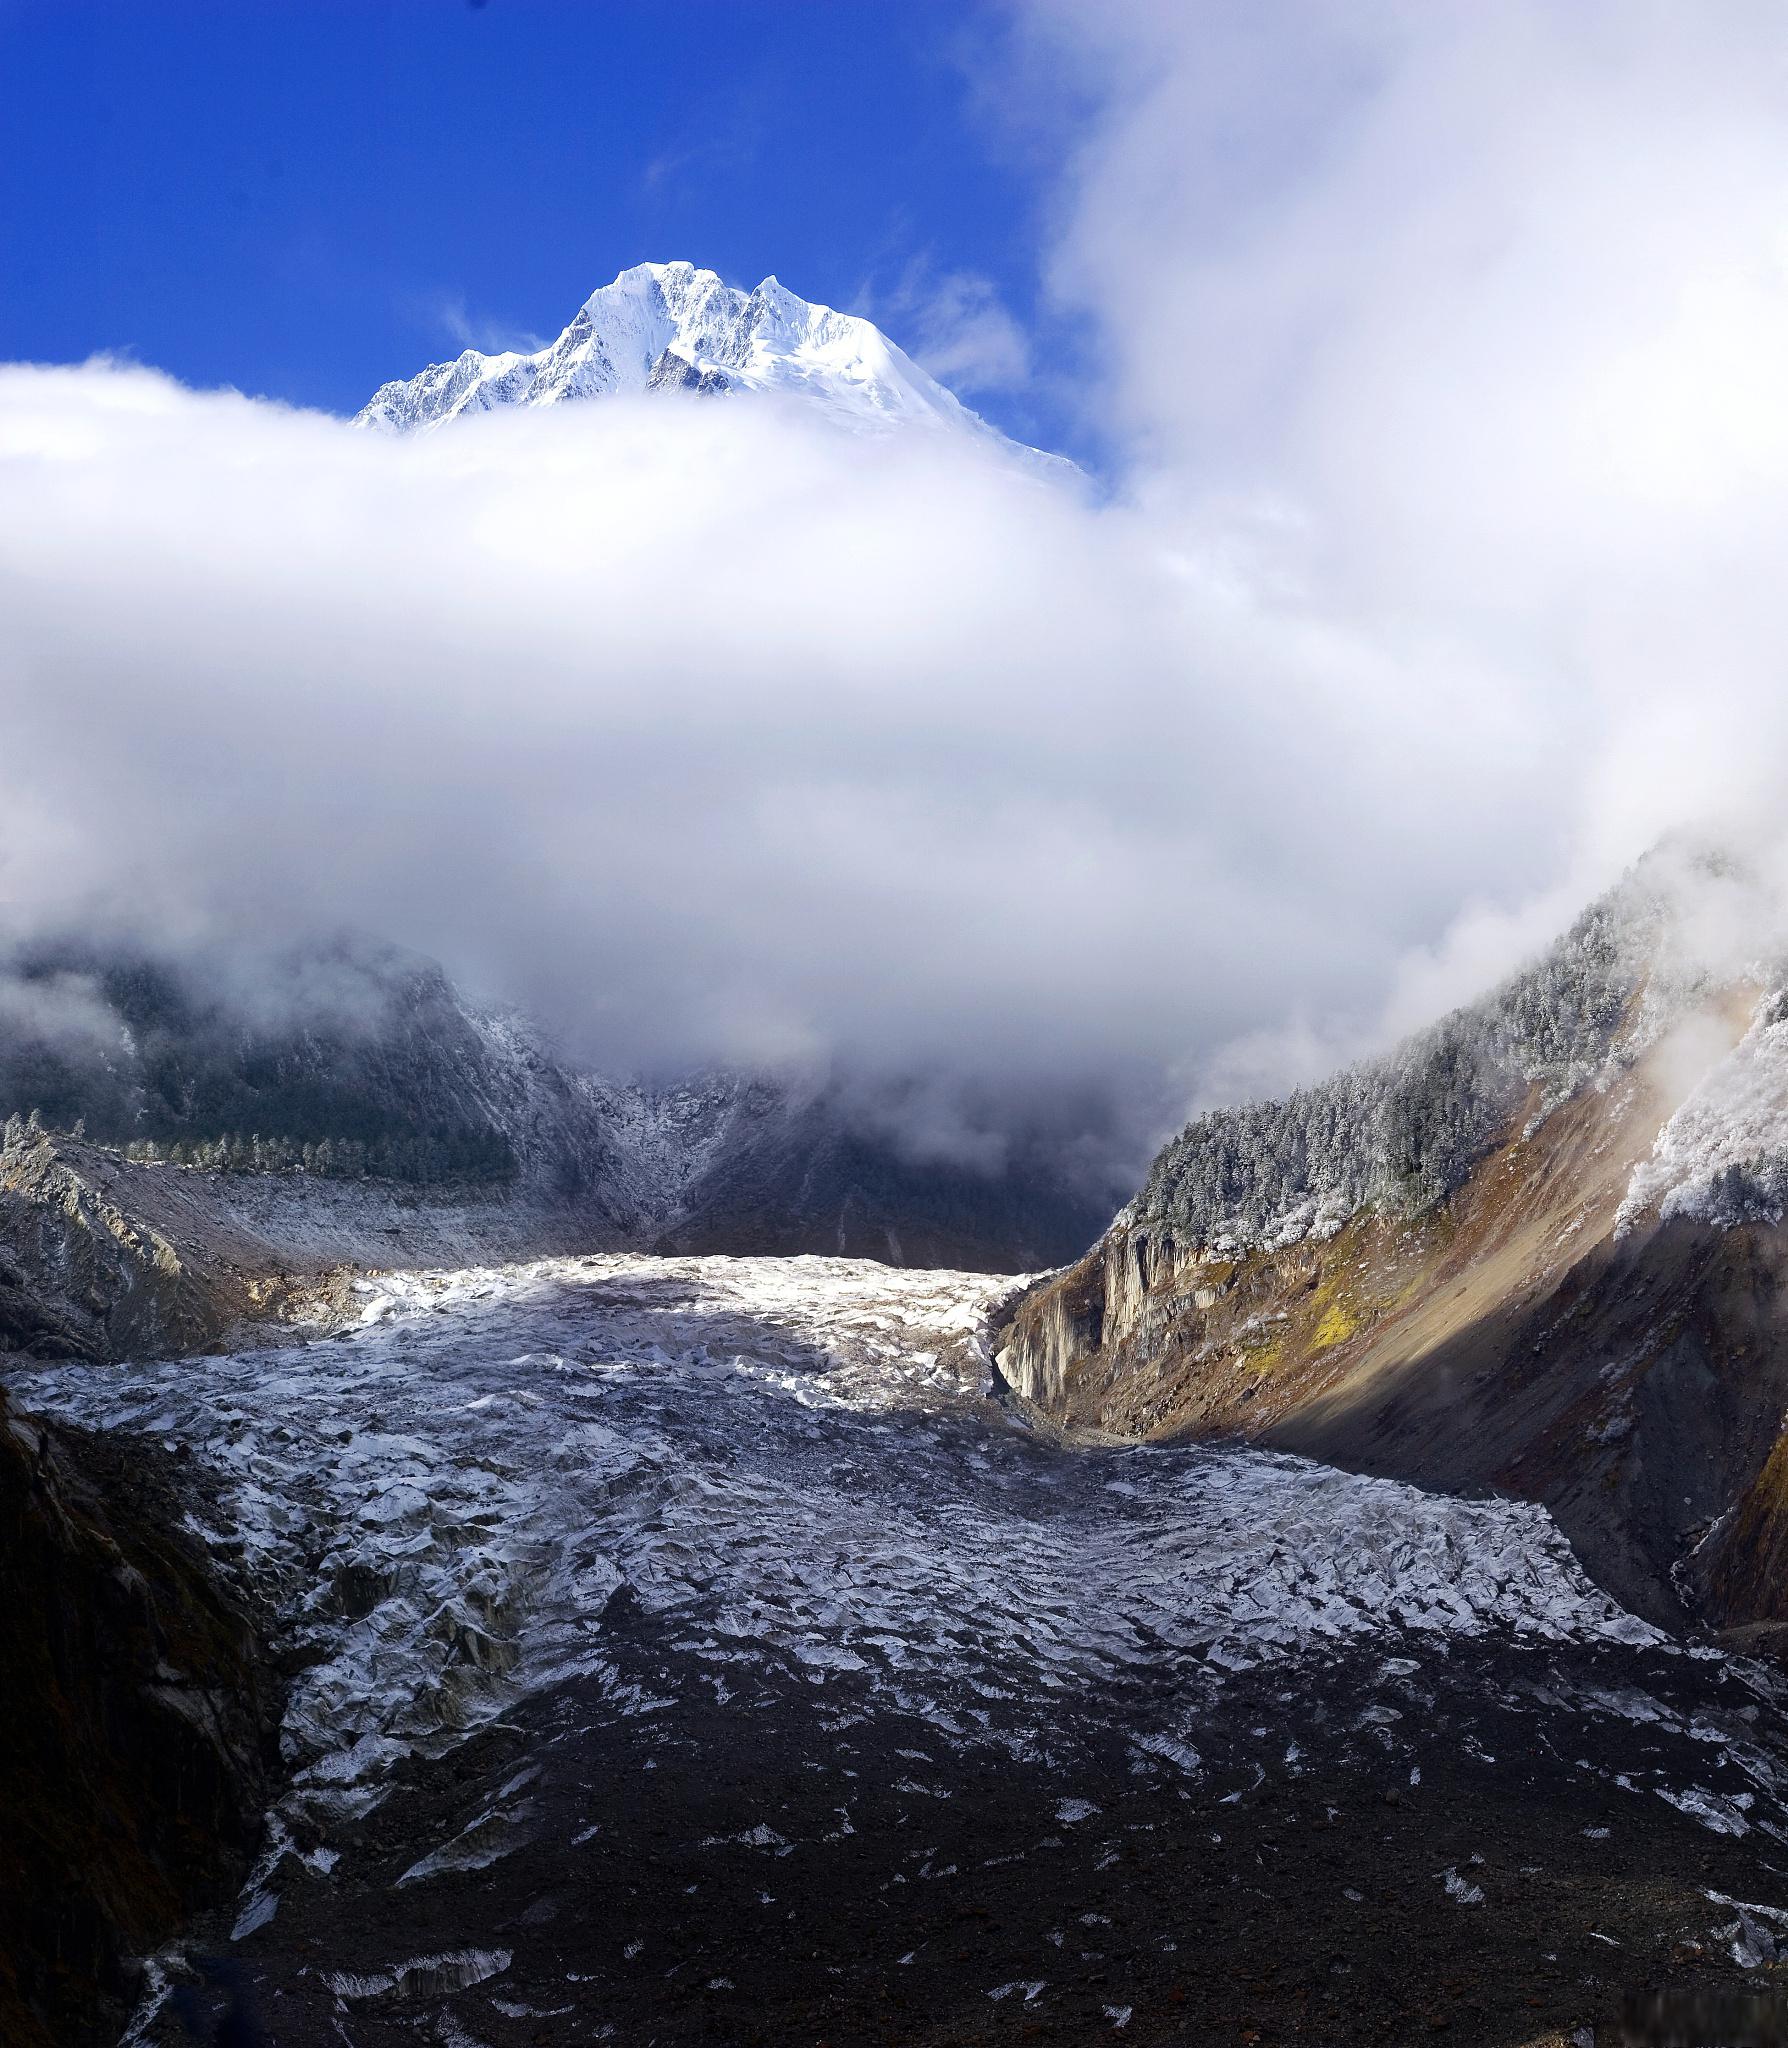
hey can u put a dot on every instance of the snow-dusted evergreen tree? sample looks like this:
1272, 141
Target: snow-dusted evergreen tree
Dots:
1403, 1131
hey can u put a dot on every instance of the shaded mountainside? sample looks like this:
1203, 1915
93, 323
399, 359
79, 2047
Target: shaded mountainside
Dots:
804, 1175
139, 1713
180, 1136
1537, 1250
348, 1059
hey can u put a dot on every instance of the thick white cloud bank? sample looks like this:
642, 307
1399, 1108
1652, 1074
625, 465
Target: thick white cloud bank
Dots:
714, 731
1459, 331
1441, 573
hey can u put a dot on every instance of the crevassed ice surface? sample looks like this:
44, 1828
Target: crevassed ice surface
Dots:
686, 1510
795, 1457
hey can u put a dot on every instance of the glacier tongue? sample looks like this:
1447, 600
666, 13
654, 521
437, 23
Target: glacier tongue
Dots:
795, 1457
731, 1582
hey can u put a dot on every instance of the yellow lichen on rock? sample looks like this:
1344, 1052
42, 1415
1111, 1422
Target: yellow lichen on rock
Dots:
1340, 1320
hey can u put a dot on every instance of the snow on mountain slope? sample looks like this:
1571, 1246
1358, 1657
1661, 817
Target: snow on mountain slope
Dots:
1723, 1156
640, 1147
1539, 1248
672, 327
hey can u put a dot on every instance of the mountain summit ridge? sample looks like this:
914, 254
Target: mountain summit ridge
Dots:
674, 327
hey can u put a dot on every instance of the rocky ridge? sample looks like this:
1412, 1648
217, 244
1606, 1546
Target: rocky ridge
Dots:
1539, 1250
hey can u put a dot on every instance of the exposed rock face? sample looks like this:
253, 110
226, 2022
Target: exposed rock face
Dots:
1492, 1261
673, 372
81, 1276
138, 1716
103, 1257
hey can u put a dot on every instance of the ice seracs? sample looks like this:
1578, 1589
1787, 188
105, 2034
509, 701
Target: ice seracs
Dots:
780, 1459
671, 327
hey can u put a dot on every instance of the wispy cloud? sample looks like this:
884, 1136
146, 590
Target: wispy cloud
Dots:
955, 323
722, 136
447, 316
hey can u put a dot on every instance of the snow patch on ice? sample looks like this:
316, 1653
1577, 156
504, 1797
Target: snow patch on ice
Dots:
423, 1976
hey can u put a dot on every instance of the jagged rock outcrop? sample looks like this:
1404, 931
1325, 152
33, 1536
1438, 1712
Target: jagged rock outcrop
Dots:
81, 1276
1536, 1250
139, 1716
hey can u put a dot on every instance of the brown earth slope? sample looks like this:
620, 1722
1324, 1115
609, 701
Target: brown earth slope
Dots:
101, 1257
1510, 1338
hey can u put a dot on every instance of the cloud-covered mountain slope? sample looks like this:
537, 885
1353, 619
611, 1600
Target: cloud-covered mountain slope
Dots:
179, 1131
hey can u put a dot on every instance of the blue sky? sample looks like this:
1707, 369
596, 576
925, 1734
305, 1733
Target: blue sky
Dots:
304, 199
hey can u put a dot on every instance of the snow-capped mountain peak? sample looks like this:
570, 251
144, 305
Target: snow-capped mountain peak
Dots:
671, 327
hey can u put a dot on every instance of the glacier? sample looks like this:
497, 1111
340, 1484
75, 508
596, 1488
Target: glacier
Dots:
741, 1580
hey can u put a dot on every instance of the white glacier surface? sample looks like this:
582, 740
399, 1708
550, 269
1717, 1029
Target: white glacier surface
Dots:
798, 1454
630, 1505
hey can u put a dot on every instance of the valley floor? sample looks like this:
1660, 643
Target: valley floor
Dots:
695, 1649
